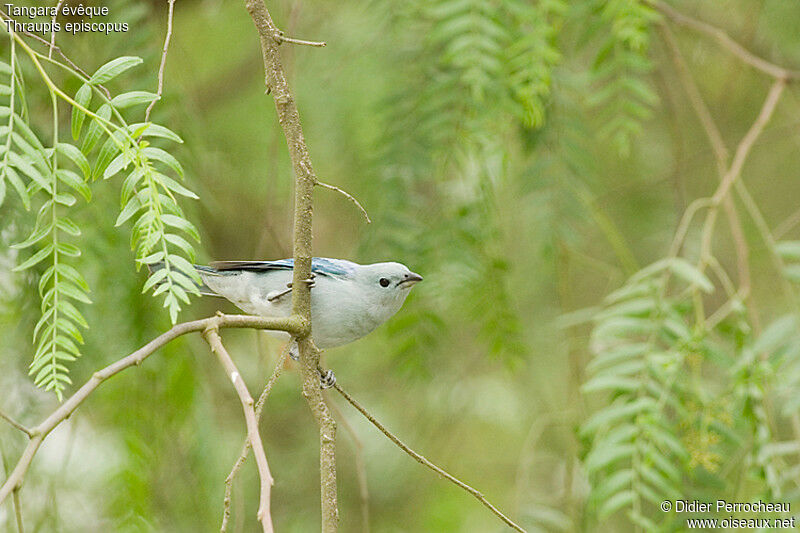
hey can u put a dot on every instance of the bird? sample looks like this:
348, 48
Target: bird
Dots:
348, 300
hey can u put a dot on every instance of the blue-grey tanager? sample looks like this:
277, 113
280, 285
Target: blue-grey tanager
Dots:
348, 300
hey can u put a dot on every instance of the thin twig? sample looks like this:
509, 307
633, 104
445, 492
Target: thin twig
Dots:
732, 46
281, 38
18, 511
480, 497
262, 398
163, 62
291, 325
16, 501
721, 156
15, 424
739, 158
53, 33
787, 225
346, 195
211, 335
361, 467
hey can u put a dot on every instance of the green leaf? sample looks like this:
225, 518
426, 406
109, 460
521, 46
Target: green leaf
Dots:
129, 185
76, 156
68, 226
602, 457
22, 127
789, 250
74, 181
38, 234
181, 243
116, 165
128, 211
113, 68
613, 484
155, 130
174, 186
616, 502
605, 382
68, 249
155, 277
35, 258
65, 198
686, 271
16, 182
165, 157
133, 98
95, 131
73, 292
26, 168
106, 155
69, 328
181, 224
72, 274
84, 98
615, 412
777, 334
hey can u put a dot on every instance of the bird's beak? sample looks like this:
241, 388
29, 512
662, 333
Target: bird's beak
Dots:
410, 280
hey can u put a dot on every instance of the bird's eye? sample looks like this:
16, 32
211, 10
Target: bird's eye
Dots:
384, 282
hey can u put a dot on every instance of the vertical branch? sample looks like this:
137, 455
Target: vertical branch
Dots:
163, 63
226, 512
264, 516
305, 179
361, 467
14, 495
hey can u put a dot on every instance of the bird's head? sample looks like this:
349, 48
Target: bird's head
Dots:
387, 284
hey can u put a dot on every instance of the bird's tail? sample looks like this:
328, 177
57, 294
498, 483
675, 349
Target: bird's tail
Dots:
201, 287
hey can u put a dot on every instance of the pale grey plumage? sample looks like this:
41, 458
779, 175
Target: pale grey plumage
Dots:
348, 300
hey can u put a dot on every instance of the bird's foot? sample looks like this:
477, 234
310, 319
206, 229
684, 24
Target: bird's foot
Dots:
271, 297
294, 351
326, 380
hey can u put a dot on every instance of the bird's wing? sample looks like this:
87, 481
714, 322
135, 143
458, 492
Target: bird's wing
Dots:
319, 265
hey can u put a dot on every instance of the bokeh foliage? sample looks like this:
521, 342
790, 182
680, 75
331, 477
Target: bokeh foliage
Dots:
531, 159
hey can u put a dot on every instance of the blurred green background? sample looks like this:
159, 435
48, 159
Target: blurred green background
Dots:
514, 165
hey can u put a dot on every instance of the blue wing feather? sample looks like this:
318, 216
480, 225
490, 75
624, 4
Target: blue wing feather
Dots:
319, 265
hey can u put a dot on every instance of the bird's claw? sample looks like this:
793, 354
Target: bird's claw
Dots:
294, 352
327, 380
310, 282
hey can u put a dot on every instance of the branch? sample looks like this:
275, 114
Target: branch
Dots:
480, 497
281, 38
348, 196
305, 179
732, 46
361, 467
211, 335
226, 511
291, 325
15, 423
16, 501
163, 61
721, 155
52, 33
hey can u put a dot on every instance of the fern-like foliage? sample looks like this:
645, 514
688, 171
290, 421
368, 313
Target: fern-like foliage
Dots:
61, 286
58, 174
148, 192
642, 346
531, 56
623, 94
